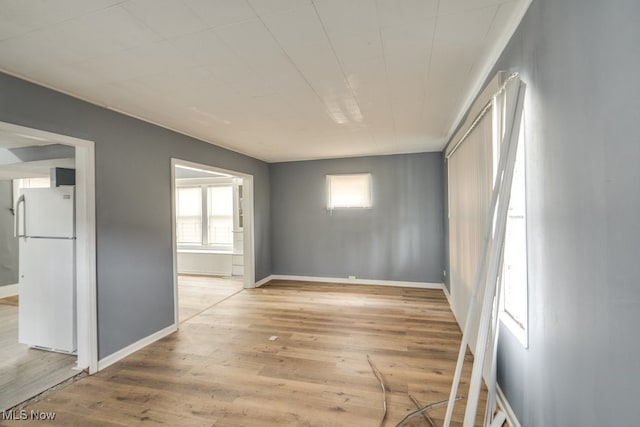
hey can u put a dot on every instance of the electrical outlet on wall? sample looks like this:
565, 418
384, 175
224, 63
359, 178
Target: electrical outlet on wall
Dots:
352, 277
444, 273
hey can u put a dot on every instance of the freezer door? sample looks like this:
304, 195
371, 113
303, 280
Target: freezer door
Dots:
47, 306
48, 212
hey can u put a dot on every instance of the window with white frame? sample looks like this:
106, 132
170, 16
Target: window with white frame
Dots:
349, 191
204, 216
189, 215
514, 272
220, 211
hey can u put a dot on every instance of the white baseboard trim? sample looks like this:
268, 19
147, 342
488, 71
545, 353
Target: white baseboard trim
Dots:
263, 281
132, 348
205, 273
503, 403
8, 291
446, 294
422, 285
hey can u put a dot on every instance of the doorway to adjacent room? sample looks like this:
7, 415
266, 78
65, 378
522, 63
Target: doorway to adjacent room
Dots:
212, 235
37, 291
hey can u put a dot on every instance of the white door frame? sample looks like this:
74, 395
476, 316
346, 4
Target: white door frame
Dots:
86, 295
249, 279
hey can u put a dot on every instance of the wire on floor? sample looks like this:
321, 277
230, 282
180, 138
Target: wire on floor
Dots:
378, 375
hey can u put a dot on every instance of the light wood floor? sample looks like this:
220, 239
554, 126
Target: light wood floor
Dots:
25, 372
222, 369
197, 293
9, 301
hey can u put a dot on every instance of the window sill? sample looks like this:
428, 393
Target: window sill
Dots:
520, 333
204, 251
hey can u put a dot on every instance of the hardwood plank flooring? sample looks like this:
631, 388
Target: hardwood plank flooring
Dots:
197, 293
24, 371
9, 301
221, 368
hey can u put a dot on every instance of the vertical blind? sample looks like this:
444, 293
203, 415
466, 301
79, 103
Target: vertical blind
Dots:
470, 177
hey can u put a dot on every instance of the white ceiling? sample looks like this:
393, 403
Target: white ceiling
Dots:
11, 167
276, 79
40, 168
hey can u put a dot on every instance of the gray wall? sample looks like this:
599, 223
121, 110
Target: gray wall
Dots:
400, 238
8, 243
580, 60
133, 204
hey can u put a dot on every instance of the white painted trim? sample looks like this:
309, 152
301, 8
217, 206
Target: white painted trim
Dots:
449, 299
482, 105
514, 328
446, 294
263, 281
248, 244
249, 239
174, 246
490, 62
503, 403
86, 293
205, 273
138, 345
8, 290
347, 281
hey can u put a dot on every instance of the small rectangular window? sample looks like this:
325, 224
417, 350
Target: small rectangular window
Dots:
514, 270
349, 191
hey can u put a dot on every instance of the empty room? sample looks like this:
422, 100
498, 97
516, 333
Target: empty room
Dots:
319, 212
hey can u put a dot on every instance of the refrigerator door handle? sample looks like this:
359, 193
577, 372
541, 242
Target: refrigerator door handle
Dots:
22, 200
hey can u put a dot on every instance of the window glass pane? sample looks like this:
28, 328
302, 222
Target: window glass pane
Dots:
515, 251
189, 215
515, 271
40, 182
349, 191
220, 208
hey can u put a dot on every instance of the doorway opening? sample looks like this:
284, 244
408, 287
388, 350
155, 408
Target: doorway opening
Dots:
212, 236
49, 255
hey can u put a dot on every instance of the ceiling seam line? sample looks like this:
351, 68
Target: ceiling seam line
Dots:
430, 59
386, 74
291, 61
335, 55
64, 20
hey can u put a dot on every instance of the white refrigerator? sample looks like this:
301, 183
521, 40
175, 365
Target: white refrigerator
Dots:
45, 225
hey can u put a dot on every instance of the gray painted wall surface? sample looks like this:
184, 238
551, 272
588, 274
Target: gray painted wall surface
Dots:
8, 243
133, 204
400, 238
580, 60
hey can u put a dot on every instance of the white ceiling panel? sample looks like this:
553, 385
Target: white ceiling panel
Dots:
462, 6
265, 7
18, 17
168, 18
98, 34
143, 61
407, 12
217, 13
342, 18
204, 47
465, 29
39, 168
276, 79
